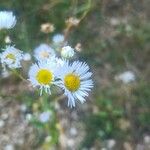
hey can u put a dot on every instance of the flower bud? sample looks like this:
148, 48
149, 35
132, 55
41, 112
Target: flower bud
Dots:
67, 52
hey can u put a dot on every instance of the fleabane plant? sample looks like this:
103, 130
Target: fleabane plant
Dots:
43, 52
42, 74
54, 65
7, 20
75, 80
11, 57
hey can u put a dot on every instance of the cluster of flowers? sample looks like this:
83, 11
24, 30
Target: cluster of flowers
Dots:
73, 77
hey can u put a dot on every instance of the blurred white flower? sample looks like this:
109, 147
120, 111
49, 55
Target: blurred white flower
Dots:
114, 21
111, 143
11, 57
126, 77
67, 52
72, 21
73, 131
2, 123
48, 139
28, 117
43, 52
9, 147
147, 139
4, 116
45, 116
5, 73
47, 27
78, 47
23, 108
7, 20
58, 38
27, 57
71, 142
8, 40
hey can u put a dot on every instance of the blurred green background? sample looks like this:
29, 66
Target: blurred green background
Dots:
115, 38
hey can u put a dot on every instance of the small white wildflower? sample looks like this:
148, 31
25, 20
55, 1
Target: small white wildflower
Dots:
2, 123
75, 81
42, 75
23, 108
7, 20
67, 52
78, 47
28, 117
128, 28
27, 57
43, 52
126, 77
45, 116
58, 39
111, 143
73, 131
114, 21
48, 139
8, 40
4, 116
9, 147
47, 28
70, 142
147, 139
73, 21
11, 57
5, 73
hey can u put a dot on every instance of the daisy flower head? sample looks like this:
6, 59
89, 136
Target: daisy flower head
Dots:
75, 81
7, 20
45, 116
42, 75
67, 52
27, 57
11, 57
43, 52
58, 39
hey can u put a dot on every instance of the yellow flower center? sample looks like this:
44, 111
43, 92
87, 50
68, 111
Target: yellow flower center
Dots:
44, 76
45, 54
11, 56
72, 82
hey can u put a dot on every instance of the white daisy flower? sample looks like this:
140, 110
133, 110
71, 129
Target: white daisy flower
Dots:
8, 39
11, 57
45, 116
67, 52
42, 75
27, 57
7, 20
58, 38
43, 52
126, 77
75, 81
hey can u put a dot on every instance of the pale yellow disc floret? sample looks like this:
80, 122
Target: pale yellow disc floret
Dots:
72, 82
44, 54
11, 56
44, 76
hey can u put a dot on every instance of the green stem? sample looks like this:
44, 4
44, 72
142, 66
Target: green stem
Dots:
18, 75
